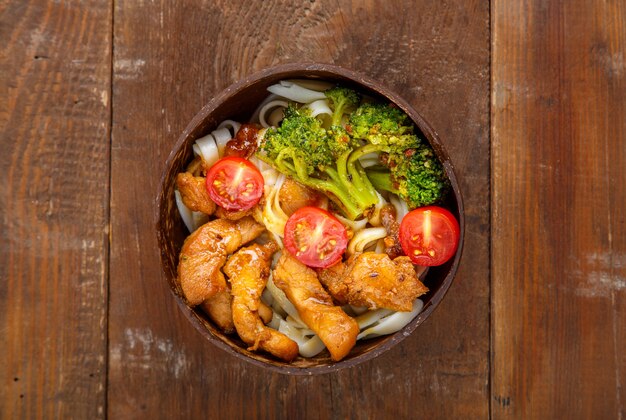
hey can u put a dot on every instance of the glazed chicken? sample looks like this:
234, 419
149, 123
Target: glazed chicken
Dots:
374, 281
315, 306
219, 309
222, 213
293, 195
204, 253
194, 193
248, 270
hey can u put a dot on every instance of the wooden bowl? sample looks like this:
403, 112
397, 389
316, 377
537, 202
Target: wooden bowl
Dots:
238, 102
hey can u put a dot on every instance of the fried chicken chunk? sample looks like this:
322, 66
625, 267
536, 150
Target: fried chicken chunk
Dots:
374, 281
204, 253
293, 195
222, 213
194, 193
248, 270
219, 309
315, 306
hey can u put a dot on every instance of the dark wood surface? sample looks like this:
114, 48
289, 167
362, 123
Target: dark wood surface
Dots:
558, 216
55, 81
528, 99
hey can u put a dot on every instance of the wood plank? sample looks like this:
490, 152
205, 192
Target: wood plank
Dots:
54, 114
168, 63
558, 247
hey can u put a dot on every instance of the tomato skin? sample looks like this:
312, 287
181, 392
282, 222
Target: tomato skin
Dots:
429, 235
234, 183
315, 237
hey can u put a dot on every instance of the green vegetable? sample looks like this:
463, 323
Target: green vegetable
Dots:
418, 179
375, 122
409, 166
342, 101
328, 159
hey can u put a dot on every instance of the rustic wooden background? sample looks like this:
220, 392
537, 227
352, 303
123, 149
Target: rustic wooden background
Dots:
528, 98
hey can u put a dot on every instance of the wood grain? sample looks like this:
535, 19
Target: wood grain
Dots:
558, 222
558, 121
54, 119
169, 59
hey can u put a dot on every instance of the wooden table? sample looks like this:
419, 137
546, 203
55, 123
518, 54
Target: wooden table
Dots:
529, 98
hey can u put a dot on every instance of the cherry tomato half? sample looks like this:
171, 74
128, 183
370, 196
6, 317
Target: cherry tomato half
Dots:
429, 235
315, 237
234, 183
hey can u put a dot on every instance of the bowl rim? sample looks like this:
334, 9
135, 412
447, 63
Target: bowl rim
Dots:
426, 129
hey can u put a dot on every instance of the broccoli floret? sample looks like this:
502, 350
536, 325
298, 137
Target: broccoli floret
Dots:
342, 101
303, 150
416, 176
377, 122
301, 137
340, 141
410, 167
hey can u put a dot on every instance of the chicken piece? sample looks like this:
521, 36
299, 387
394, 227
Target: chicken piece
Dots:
293, 195
219, 309
265, 312
374, 281
389, 221
332, 278
248, 270
315, 306
194, 193
249, 229
222, 213
204, 253
197, 167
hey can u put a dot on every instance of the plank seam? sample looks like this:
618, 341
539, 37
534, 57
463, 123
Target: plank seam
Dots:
109, 192
490, 359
